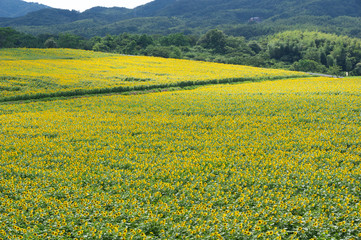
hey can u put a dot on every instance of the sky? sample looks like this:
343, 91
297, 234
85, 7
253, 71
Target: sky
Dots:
81, 5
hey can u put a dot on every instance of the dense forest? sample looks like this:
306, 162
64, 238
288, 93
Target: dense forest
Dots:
296, 50
248, 18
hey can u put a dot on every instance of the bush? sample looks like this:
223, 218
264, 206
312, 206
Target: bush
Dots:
306, 65
162, 51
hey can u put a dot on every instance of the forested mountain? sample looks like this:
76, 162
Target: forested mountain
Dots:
249, 18
244, 9
17, 8
53, 16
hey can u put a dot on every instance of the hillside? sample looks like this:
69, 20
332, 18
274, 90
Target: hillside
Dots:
243, 10
17, 8
198, 16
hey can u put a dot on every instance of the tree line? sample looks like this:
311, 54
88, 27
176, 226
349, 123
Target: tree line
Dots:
296, 50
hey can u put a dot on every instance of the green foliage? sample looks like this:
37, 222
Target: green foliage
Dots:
298, 50
9, 38
50, 43
163, 51
215, 40
254, 46
67, 40
306, 65
357, 70
315, 50
144, 41
335, 70
176, 39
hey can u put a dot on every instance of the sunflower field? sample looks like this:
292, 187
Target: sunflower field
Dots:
33, 73
254, 160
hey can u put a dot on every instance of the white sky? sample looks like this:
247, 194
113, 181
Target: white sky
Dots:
81, 5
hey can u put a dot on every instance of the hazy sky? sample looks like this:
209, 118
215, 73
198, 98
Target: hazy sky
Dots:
82, 5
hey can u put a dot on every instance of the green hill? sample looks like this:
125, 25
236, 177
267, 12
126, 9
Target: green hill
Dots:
244, 9
197, 16
17, 8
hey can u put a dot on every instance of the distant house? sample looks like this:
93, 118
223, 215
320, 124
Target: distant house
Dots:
255, 20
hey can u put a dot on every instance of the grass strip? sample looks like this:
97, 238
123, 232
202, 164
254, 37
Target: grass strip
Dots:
124, 89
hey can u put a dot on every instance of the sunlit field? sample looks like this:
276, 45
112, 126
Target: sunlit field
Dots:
264, 160
33, 73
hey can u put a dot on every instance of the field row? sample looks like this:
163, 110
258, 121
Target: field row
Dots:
267, 160
34, 73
